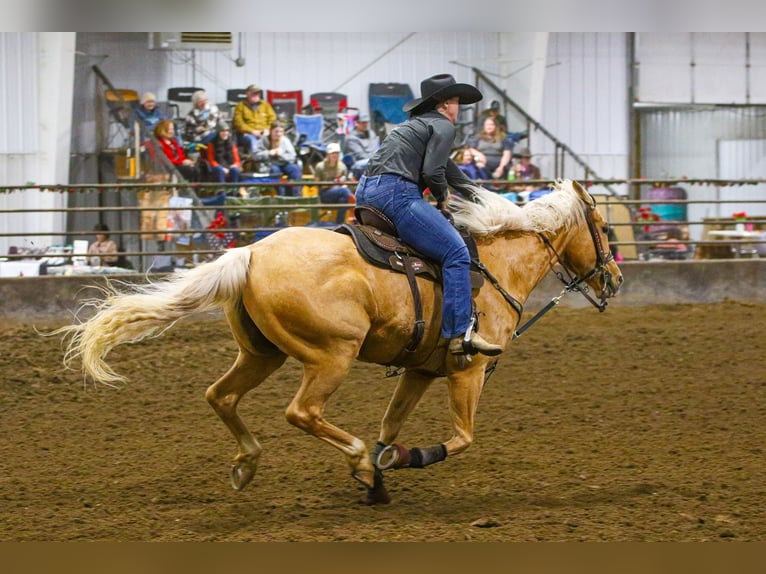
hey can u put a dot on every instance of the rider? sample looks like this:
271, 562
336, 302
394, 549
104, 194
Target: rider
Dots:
413, 157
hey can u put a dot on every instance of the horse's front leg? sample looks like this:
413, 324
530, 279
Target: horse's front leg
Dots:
464, 391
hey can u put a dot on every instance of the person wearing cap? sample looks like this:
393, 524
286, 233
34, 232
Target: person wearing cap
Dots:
331, 168
525, 169
416, 156
104, 250
148, 113
223, 155
252, 117
361, 144
201, 120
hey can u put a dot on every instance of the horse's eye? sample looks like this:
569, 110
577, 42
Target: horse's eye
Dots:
605, 229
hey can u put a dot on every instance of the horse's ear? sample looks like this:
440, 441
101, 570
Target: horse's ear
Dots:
586, 197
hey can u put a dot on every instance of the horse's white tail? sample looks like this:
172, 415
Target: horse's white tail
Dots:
148, 310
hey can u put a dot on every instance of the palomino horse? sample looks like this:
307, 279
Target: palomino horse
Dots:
307, 293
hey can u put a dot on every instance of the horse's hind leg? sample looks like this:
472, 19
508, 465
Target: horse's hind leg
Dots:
306, 411
248, 371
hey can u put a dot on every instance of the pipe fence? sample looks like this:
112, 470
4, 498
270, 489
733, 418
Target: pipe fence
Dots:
639, 232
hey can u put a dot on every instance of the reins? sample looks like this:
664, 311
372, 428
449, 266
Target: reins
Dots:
571, 283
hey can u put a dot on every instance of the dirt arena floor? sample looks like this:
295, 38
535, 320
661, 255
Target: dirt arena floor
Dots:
638, 424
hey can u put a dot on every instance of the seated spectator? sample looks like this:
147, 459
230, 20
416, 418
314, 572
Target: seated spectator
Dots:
672, 247
331, 168
278, 153
468, 165
104, 250
493, 111
201, 120
165, 132
361, 144
492, 148
148, 114
223, 156
252, 117
525, 169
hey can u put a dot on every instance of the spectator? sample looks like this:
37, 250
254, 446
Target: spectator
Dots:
165, 133
361, 144
104, 250
277, 152
493, 111
468, 165
201, 120
252, 117
331, 168
223, 156
148, 114
525, 169
492, 148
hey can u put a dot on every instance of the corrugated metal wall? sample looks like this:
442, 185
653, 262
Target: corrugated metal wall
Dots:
684, 143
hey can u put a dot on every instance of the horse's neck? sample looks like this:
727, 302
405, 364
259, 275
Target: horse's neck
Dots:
518, 261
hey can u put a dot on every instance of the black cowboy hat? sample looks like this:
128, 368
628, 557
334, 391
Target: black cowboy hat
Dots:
439, 88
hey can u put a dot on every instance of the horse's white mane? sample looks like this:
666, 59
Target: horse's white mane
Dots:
489, 213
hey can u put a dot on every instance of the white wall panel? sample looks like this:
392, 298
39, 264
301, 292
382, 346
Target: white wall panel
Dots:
18, 86
585, 102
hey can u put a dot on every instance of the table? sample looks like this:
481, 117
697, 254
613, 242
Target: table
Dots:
740, 247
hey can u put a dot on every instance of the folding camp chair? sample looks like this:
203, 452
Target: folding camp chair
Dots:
329, 104
386, 101
285, 104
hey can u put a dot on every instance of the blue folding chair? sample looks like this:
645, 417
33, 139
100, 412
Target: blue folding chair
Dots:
386, 101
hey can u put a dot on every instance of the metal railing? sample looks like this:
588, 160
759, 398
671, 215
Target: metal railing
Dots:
252, 218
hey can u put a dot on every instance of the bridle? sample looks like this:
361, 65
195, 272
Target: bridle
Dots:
572, 281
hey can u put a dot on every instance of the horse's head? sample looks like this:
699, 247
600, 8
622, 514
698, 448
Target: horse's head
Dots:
587, 256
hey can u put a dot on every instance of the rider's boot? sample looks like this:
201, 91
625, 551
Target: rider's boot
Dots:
473, 344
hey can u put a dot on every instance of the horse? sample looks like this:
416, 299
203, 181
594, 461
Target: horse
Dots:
306, 293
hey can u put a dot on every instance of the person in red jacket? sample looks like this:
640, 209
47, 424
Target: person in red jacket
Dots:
166, 136
223, 156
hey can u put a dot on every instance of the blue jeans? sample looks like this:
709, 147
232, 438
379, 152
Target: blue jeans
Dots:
292, 171
423, 227
337, 194
234, 173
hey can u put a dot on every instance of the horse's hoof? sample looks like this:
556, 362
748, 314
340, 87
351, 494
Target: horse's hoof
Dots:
241, 475
366, 477
377, 495
393, 456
